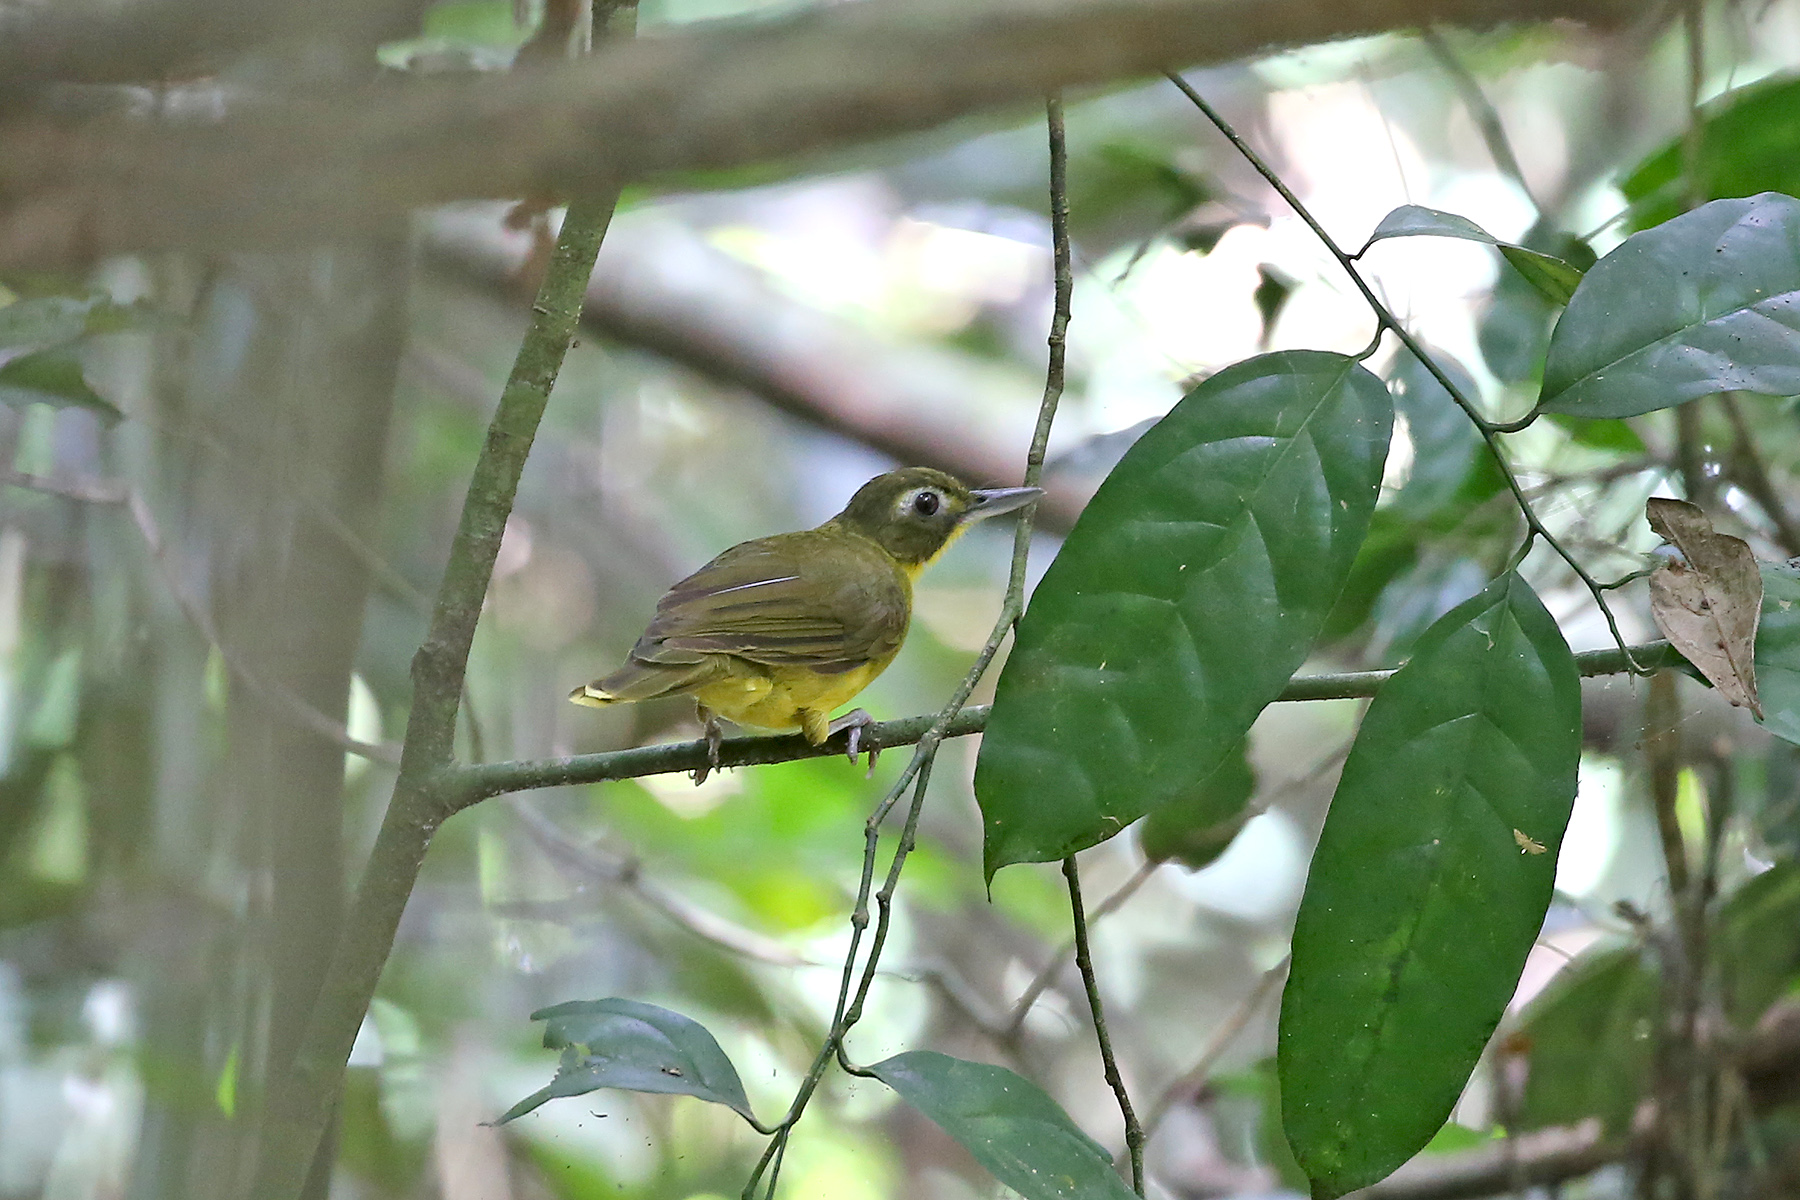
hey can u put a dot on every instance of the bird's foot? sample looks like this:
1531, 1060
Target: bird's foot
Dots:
857, 727
715, 737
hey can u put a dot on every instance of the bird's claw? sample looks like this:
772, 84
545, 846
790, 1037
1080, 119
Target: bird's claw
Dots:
715, 738
857, 727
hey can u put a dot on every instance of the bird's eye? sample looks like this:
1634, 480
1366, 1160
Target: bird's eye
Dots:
925, 503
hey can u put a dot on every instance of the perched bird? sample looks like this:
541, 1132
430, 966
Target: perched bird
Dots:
777, 632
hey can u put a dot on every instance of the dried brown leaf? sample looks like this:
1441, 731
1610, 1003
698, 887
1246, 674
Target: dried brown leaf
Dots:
1709, 604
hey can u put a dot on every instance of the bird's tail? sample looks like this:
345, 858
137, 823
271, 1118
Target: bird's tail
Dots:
592, 695
640, 680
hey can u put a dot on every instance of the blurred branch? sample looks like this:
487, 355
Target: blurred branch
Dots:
87, 491
471, 784
1746, 467
624, 871
728, 94
148, 41
662, 288
1234, 1024
269, 690
1481, 111
299, 1114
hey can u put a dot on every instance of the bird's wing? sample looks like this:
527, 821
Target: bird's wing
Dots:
782, 602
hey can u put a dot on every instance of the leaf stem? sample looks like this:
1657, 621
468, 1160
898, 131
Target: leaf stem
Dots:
1489, 430
1084, 962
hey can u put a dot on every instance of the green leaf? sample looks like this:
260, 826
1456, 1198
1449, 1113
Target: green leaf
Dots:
1186, 595
1749, 143
1777, 654
1011, 1126
1555, 279
1196, 828
1590, 1036
635, 1047
1428, 886
1708, 302
51, 377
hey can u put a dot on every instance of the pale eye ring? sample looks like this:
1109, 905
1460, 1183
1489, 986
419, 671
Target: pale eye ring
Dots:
926, 503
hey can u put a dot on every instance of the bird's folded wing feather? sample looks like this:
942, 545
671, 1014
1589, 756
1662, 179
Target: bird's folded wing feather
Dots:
780, 606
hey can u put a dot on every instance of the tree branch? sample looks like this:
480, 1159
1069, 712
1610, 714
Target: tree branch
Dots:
724, 95
468, 785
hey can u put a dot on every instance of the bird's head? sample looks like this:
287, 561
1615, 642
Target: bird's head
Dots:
913, 513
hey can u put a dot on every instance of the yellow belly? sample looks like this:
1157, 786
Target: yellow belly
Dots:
786, 698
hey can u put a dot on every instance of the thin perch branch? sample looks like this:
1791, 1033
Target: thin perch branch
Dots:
472, 784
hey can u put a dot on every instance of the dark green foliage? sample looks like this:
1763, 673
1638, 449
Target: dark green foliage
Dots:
634, 1046
1428, 886
1011, 1126
1750, 142
1232, 523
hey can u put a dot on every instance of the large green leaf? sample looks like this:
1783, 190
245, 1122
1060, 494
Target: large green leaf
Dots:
636, 1047
1428, 886
1555, 279
1590, 1036
1749, 142
1778, 652
1011, 1126
1182, 601
1708, 302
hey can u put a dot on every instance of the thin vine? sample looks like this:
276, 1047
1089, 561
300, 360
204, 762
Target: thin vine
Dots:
1490, 430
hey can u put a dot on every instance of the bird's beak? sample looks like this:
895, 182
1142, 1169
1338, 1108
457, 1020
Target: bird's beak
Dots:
990, 502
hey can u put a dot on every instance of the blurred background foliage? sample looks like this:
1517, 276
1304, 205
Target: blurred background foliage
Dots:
230, 483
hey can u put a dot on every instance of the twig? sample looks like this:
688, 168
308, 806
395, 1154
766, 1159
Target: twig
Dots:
1008, 1033
1489, 430
1084, 961
1481, 110
849, 1011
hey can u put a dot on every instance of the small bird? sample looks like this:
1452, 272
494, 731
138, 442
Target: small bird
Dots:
777, 632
